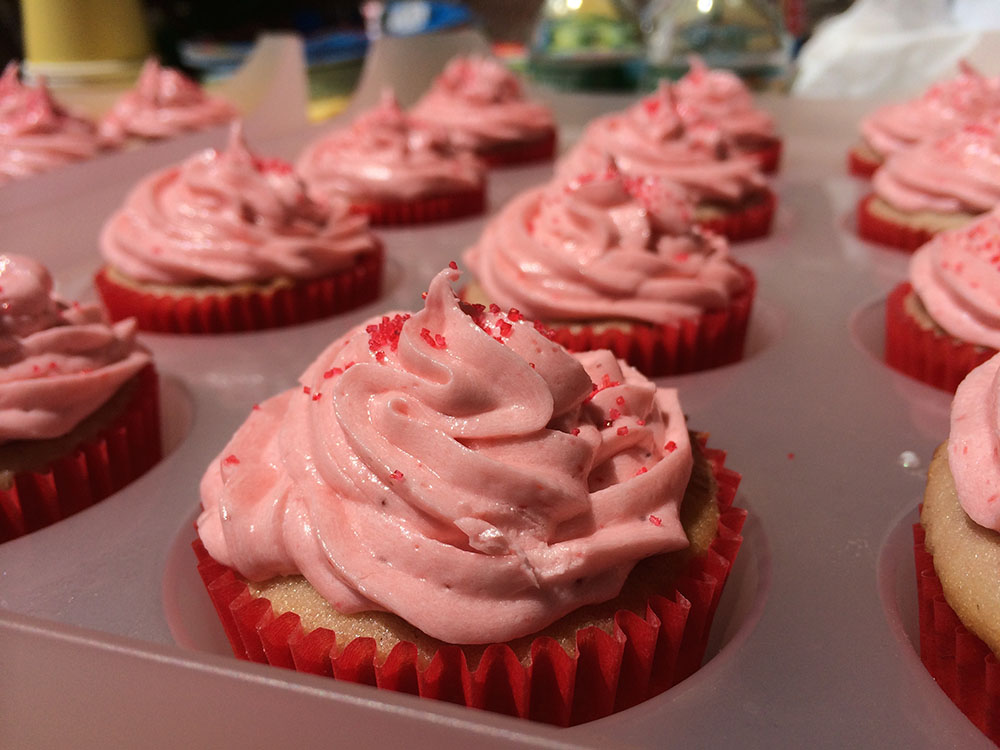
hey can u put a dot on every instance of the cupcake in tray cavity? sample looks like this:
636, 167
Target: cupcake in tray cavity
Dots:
607, 261
38, 135
80, 415
944, 108
477, 104
163, 103
957, 548
945, 320
227, 241
550, 543
394, 171
730, 193
938, 185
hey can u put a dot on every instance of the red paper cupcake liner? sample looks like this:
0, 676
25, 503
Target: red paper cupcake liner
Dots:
859, 166
929, 356
961, 664
641, 658
424, 210
245, 310
521, 152
887, 232
96, 468
713, 339
768, 156
747, 223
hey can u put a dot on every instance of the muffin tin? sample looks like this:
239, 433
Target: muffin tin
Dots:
106, 637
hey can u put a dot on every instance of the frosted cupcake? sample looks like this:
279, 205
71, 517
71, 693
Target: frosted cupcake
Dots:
80, 416
479, 105
730, 193
515, 543
230, 242
392, 171
164, 103
613, 262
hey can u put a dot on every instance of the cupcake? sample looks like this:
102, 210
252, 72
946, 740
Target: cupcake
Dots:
935, 186
720, 97
36, 134
943, 109
945, 320
957, 550
612, 262
478, 105
164, 103
550, 544
393, 171
230, 242
80, 416
730, 193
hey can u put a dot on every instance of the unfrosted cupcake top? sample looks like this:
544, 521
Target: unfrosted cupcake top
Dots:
721, 97
404, 475
163, 103
36, 134
229, 217
604, 246
383, 156
959, 173
651, 138
957, 278
944, 108
59, 362
477, 103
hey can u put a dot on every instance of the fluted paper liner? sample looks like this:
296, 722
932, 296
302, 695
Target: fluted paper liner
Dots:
961, 664
97, 467
640, 658
746, 223
874, 228
542, 148
423, 210
768, 156
859, 166
245, 309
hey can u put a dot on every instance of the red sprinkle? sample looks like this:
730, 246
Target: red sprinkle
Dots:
623, 431
495, 309
439, 341
306, 389
505, 327
256, 407
386, 332
532, 365
331, 372
423, 295
575, 431
614, 414
514, 315
453, 265
317, 396
670, 447
231, 460
620, 401
397, 475
641, 470
655, 520
380, 357
641, 422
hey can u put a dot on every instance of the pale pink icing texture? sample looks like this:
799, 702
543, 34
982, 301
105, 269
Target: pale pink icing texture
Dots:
651, 138
477, 103
957, 277
404, 475
603, 246
721, 97
384, 156
163, 103
36, 134
59, 362
230, 217
959, 173
944, 108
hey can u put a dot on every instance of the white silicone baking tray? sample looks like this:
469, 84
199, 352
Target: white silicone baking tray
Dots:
106, 638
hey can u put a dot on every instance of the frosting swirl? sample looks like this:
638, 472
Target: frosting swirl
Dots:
230, 217
974, 444
957, 278
721, 97
651, 138
382, 155
604, 247
477, 103
36, 134
59, 363
959, 173
404, 475
164, 103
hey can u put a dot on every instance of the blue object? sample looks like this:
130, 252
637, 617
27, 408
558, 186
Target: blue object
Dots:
412, 17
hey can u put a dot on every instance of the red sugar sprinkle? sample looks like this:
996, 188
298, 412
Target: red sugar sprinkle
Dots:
380, 357
532, 365
670, 447
386, 332
53, 365
317, 396
623, 431
655, 520
575, 431
349, 365
620, 401
256, 407
514, 315
439, 341
306, 389
505, 327
495, 309
230, 460
397, 475
331, 372
423, 295
641, 422
36, 368
453, 265
614, 414
640, 470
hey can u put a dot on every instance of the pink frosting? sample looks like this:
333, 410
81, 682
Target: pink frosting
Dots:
384, 156
404, 475
957, 277
974, 444
230, 217
477, 103
943, 109
651, 138
163, 103
959, 173
36, 134
721, 97
59, 362
604, 247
